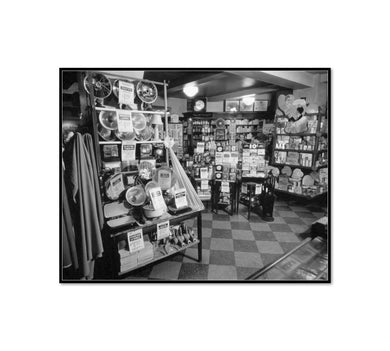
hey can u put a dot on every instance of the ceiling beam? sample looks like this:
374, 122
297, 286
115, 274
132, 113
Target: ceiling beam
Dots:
285, 79
194, 79
240, 93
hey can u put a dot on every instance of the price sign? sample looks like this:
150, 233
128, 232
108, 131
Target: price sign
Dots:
225, 187
125, 123
163, 230
258, 189
204, 173
200, 148
157, 198
128, 150
126, 93
181, 198
135, 240
204, 185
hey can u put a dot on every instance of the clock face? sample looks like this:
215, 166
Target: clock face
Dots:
199, 105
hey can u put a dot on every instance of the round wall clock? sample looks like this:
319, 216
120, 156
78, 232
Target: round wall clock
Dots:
199, 105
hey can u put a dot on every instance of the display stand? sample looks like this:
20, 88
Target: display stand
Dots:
216, 199
111, 236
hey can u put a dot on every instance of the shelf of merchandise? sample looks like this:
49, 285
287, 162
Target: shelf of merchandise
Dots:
118, 142
111, 236
318, 133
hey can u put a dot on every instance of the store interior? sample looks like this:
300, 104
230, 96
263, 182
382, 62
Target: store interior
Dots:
195, 175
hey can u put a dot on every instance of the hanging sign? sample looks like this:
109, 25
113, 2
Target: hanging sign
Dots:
135, 240
225, 187
128, 150
157, 198
181, 198
126, 93
163, 230
125, 124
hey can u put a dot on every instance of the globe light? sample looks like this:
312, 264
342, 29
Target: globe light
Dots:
191, 91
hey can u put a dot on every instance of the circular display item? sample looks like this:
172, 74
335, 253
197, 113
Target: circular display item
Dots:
220, 123
139, 121
108, 119
161, 184
105, 134
307, 180
286, 170
144, 135
99, 83
136, 195
275, 171
297, 174
147, 92
150, 212
125, 136
199, 105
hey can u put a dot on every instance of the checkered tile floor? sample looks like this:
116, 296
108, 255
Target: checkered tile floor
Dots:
234, 248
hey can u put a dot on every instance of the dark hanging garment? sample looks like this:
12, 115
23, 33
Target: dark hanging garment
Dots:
69, 253
88, 218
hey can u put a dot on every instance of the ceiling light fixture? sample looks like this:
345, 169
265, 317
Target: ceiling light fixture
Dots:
191, 91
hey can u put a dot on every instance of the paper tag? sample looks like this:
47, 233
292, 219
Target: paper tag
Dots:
225, 187
200, 148
125, 123
164, 179
126, 93
258, 189
135, 240
116, 184
163, 230
204, 173
128, 150
244, 188
181, 198
157, 198
204, 185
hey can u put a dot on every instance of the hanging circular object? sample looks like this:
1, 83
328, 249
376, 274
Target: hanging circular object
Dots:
220, 123
307, 180
297, 174
136, 195
139, 121
99, 84
108, 119
105, 134
125, 136
147, 92
144, 134
286, 170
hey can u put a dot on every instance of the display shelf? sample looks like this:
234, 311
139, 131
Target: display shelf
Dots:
296, 150
133, 111
159, 257
136, 141
297, 134
300, 195
290, 165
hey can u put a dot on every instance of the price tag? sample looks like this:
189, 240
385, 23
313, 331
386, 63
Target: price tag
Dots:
157, 198
126, 93
125, 123
175, 118
225, 187
163, 230
128, 150
135, 240
181, 198
258, 189
116, 184
204, 173
204, 185
200, 148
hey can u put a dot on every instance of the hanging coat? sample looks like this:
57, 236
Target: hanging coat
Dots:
69, 253
89, 220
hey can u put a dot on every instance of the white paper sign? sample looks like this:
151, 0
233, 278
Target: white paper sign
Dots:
204, 185
157, 198
135, 240
258, 189
181, 198
225, 187
126, 93
204, 173
116, 184
125, 123
200, 148
163, 230
128, 150
175, 118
